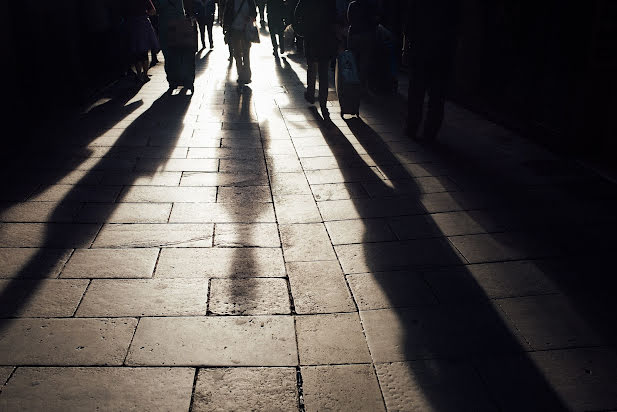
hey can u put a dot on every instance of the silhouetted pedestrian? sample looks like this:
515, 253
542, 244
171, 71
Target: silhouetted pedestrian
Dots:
362, 18
141, 35
316, 21
154, 19
431, 33
178, 36
239, 14
276, 24
261, 6
204, 13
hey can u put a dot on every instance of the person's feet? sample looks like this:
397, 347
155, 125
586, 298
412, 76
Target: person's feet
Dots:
325, 113
309, 97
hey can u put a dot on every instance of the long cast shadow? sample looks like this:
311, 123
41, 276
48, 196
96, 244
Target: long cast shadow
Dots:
164, 116
440, 342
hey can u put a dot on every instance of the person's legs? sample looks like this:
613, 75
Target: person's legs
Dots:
281, 35
415, 96
209, 28
202, 32
311, 77
437, 80
274, 43
246, 59
323, 67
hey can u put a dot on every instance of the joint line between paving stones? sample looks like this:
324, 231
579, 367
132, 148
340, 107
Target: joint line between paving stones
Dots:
8, 379
193, 390
156, 263
71, 253
98, 232
82, 298
300, 389
209, 291
131, 343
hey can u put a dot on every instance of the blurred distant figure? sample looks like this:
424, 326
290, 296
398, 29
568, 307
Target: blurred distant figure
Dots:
238, 15
276, 24
316, 21
204, 13
431, 34
261, 6
141, 36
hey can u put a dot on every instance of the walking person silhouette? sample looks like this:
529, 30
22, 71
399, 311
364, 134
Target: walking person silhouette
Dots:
315, 20
431, 33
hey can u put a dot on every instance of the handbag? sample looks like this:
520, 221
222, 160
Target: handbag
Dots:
252, 34
181, 32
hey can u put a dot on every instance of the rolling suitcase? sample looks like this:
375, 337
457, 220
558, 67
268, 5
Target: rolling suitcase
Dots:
347, 83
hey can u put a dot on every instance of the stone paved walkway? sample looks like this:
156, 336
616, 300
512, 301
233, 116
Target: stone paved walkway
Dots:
228, 250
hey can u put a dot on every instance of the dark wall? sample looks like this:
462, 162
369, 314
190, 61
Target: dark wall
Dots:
547, 67
58, 53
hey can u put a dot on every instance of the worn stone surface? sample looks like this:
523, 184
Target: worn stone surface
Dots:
359, 231
432, 386
144, 297
319, 287
32, 262
437, 331
390, 290
226, 389
65, 341
296, 209
246, 234
306, 242
222, 213
220, 262
341, 388
111, 263
376, 257
124, 213
42, 235
41, 298
331, 339
154, 235
63, 389
214, 341
5, 373
259, 296
549, 321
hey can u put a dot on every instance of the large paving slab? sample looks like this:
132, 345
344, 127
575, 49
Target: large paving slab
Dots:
222, 213
47, 235
494, 280
580, 379
306, 242
246, 235
41, 298
111, 263
246, 389
65, 341
124, 213
319, 287
144, 297
433, 385
167, 194
215, 341
95, 388
32, 262
438, 331
388, 256
154, 235
258, 296
331, 339
549, 321
390, 290
220, 262
341, 388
